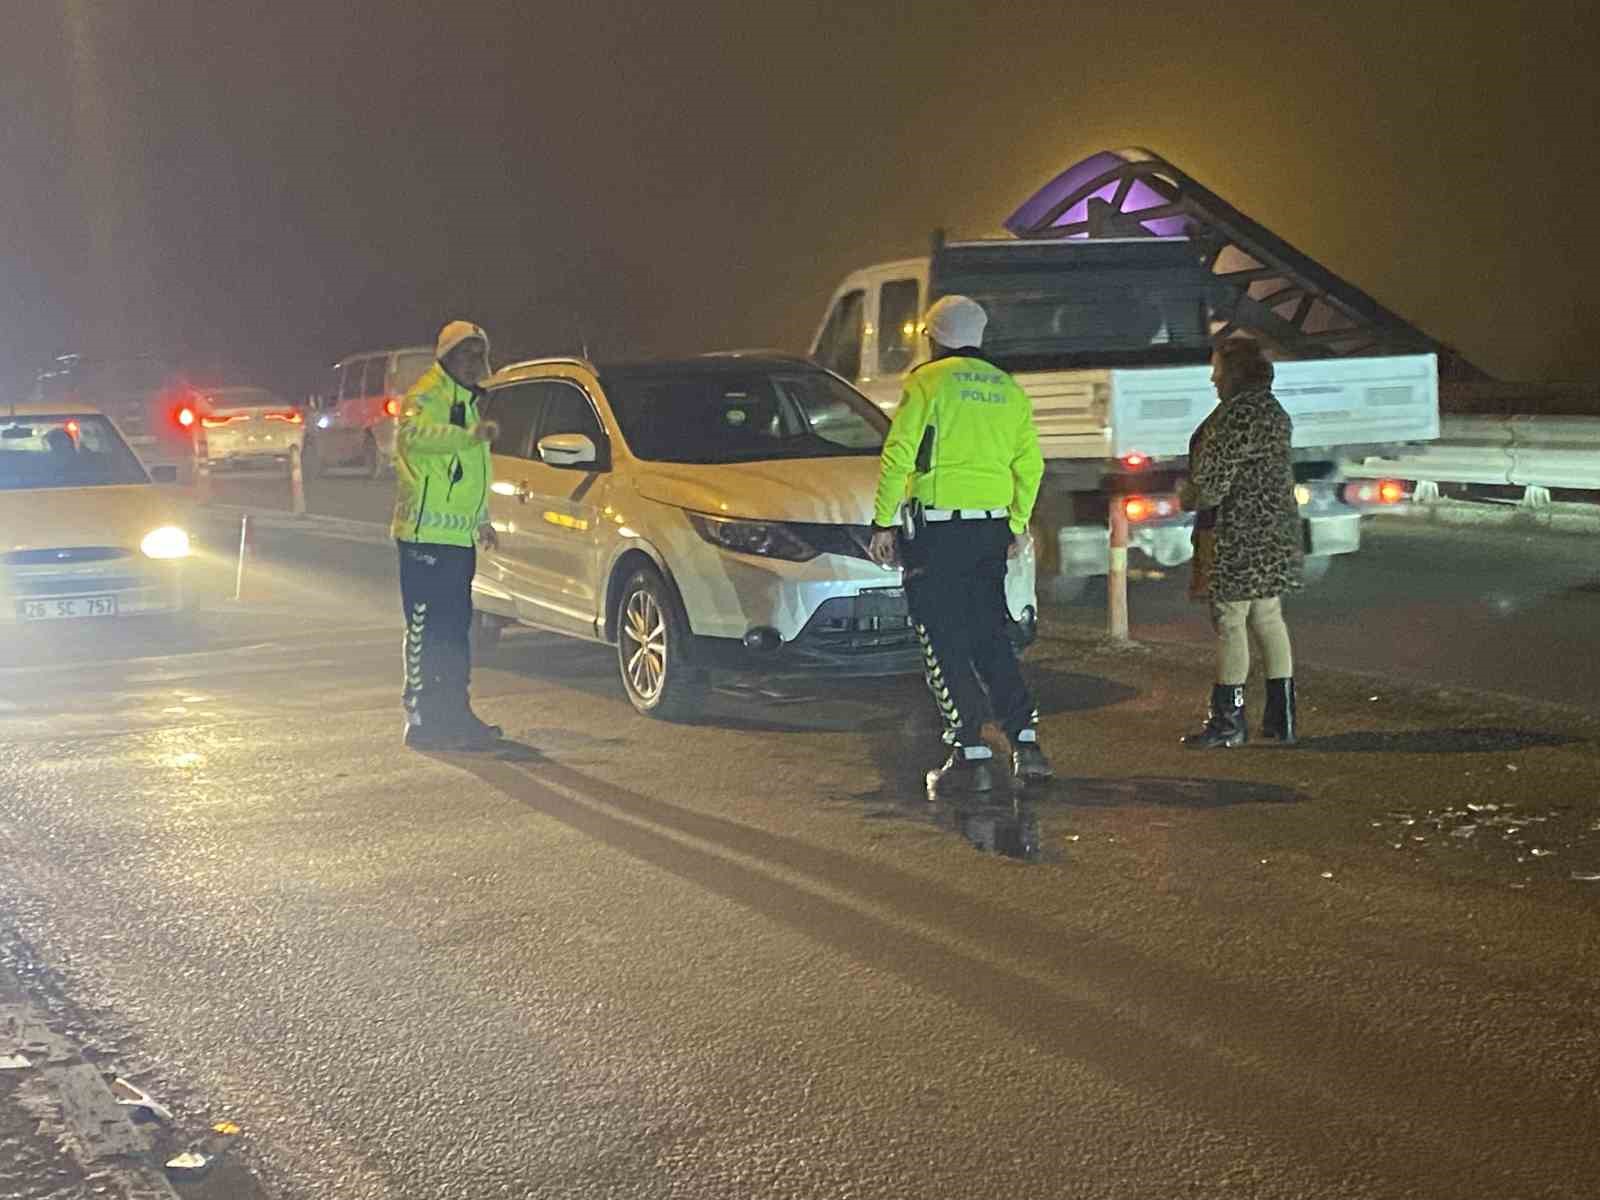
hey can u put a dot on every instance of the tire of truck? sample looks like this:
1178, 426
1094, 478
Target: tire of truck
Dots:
483, 636
1316, 569
1069, 589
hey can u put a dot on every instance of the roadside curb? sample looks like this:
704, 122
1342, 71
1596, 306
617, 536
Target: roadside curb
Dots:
101, 1137
1562, 517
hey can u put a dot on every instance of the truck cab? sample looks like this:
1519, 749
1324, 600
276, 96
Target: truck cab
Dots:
1111, 338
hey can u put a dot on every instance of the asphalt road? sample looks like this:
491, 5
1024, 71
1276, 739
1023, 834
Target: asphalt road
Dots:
1485, 609
748, 958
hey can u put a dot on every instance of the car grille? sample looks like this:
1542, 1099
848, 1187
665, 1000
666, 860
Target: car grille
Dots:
873, 621
64, 554
75, 585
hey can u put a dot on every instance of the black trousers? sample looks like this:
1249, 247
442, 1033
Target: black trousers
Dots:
436, 593
956, 588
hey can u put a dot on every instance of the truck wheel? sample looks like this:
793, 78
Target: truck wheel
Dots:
1069, 589
1316, 568
484, 636
652, 650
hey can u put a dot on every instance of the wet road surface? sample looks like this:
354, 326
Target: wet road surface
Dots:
1487, 609
746, 957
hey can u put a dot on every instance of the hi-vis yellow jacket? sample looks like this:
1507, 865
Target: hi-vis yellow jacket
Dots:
963, 437
442, 471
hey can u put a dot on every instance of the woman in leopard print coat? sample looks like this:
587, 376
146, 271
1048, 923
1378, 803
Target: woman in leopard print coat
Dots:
1242, 486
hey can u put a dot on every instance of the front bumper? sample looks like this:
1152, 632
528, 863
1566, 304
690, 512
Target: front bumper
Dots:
869, 634
122, 586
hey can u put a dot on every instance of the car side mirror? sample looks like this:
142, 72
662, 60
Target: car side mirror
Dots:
164, 474
568, 451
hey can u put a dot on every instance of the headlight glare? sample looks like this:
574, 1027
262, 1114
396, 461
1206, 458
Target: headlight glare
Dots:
167, 542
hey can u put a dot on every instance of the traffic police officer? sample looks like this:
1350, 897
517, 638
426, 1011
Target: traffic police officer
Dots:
441, 514
956, 486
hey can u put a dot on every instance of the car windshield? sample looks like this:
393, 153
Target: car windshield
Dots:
64, 451
723, 416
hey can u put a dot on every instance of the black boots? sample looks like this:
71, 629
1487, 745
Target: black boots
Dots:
1029, 764
1225, 728
961, 774
1278, 719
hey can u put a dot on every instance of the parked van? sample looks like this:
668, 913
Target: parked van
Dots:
354, 421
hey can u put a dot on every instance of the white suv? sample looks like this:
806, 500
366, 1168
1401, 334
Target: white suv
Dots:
701, 515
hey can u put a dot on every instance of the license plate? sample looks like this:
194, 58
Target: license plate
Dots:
881, 602
70, 609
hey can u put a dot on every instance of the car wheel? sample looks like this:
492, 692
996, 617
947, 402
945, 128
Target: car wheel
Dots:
652, 645
484, 636
1316, 568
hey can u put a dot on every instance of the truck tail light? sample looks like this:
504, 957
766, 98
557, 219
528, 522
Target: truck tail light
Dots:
1150, 508
1374, 491
391, 407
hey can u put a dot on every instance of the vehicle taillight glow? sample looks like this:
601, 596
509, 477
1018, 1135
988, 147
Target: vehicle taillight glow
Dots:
73, 429
212, 422
1135, 460
185, 417
1375, 491
391, 407
293, 418
1137, 508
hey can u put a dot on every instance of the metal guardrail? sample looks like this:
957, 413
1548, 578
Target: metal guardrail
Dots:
1535, 453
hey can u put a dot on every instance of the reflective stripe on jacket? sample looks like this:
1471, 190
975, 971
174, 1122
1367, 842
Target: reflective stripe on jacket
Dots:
963, 437
441, 469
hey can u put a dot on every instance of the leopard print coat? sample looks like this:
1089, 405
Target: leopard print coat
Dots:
1239, 465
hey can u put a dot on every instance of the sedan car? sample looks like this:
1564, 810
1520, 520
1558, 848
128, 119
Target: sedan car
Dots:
84, 534
701, 515
249, 426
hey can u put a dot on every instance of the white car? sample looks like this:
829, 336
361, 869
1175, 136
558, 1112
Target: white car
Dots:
84, 534
709, 514
249, 426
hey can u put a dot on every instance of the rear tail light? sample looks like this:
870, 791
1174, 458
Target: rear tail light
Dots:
293, 418
184, 417
1150, 508
212, 422
1374, 491
1133, 460
73, 430
391, 407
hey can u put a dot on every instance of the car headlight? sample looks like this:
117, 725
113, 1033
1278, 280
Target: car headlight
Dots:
765, 539
167, 542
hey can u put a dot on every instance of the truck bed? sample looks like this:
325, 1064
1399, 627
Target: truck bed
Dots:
1110, 413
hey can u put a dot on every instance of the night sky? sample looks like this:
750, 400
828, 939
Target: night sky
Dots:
282, 182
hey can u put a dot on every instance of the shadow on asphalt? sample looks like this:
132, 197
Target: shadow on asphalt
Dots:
1198, 1038
790, 705
1436, 741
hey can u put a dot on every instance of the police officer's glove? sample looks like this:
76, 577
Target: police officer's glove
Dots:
884, 549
